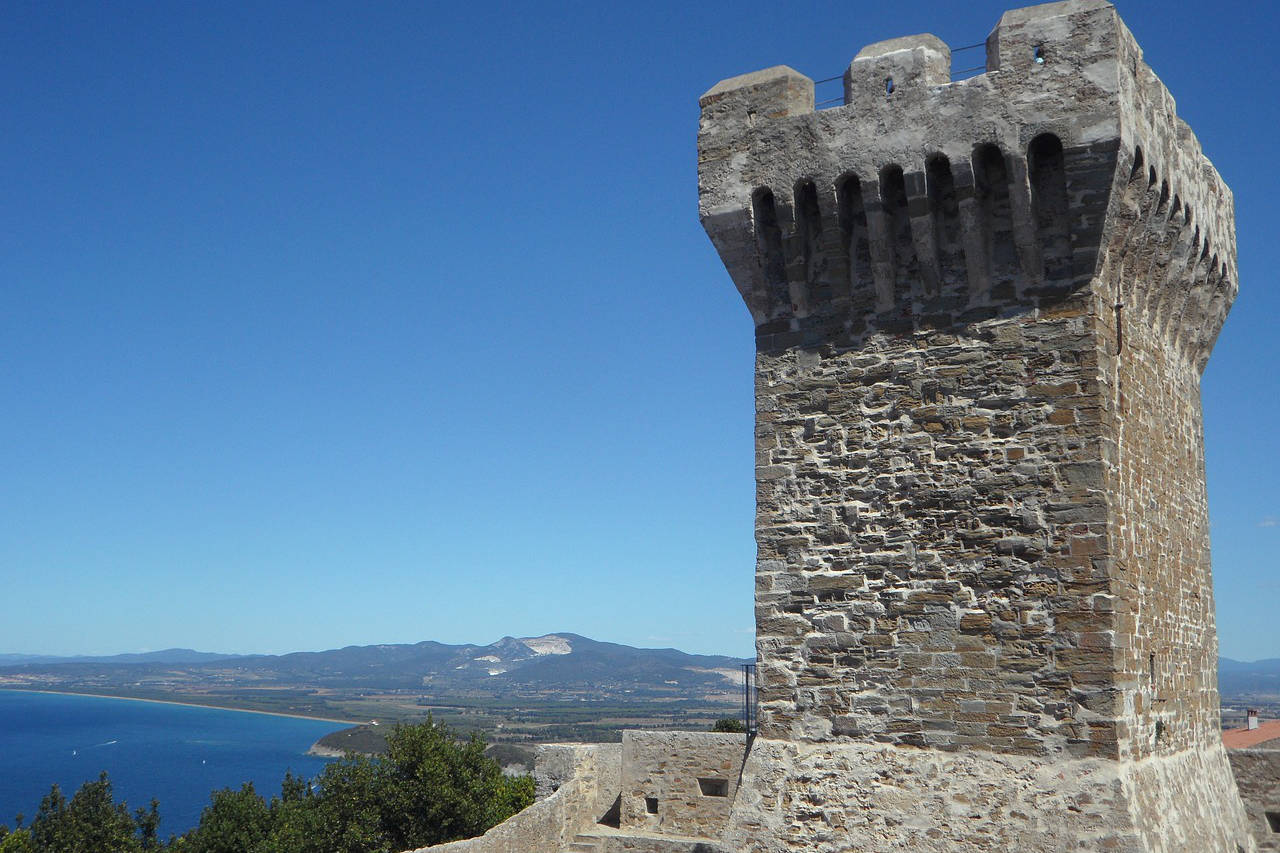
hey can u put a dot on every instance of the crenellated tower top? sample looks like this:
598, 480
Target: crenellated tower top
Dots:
927, 200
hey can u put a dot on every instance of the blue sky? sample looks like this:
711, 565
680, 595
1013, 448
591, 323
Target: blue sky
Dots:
326, 323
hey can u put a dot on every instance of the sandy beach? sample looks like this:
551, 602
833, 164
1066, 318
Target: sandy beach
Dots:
187, 705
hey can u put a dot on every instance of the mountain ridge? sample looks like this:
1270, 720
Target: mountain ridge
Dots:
174, 655
181, 655
552, 661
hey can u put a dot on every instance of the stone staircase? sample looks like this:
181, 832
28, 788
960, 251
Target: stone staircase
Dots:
583, 843
594, 841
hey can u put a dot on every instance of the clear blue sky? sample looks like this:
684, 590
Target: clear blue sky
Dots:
328, 323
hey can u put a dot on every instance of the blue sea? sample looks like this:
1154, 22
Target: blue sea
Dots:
172, 753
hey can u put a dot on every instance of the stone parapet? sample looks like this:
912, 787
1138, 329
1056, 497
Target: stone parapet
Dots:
679, 783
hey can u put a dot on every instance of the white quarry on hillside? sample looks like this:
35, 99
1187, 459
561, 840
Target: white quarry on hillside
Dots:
548, 645
732, 676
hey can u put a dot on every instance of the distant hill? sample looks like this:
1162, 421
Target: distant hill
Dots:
567, 662
554, 662
1249, 678
164, 656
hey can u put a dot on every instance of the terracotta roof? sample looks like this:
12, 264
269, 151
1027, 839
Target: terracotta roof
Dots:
1245, 738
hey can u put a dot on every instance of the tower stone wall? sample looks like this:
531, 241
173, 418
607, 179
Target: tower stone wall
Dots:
982, 310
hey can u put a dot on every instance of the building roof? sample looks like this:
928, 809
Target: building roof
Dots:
1243, 738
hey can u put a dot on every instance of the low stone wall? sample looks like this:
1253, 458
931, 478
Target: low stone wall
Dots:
1257, 773
832, 798
698, 792
680, 783
577, 785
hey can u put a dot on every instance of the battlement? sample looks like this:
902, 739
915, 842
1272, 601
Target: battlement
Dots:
923, 201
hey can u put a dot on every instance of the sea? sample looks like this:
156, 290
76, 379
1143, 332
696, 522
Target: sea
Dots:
176, 754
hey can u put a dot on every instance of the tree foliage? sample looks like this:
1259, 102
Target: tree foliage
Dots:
233, 822
729, 725
439, 789
92, 822
17, 841
429, 787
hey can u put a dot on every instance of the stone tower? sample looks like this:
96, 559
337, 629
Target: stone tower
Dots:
984, 609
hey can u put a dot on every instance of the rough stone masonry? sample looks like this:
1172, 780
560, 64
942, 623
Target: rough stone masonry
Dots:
984, 608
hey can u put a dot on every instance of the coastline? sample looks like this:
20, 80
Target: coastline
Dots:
186, 705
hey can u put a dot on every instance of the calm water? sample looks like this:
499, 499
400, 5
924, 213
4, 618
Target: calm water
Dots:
173, 753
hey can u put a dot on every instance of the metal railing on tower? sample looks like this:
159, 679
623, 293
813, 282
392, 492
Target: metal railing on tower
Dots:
749, 698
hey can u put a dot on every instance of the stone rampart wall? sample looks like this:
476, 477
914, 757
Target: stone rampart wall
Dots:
833, 798
1257, 773
1187, 800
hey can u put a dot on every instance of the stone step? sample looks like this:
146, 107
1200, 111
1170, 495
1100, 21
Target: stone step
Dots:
590, 843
